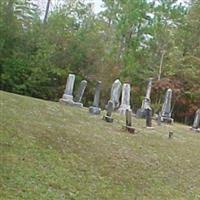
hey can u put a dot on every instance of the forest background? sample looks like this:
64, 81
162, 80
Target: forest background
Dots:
132, 40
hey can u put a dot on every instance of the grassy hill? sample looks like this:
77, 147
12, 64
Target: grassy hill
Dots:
51, 151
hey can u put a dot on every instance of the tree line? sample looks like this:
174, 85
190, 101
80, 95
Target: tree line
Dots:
130, 40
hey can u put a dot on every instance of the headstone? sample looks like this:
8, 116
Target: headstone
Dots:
79, 95
166, 108
146, 103
128, 125
170, 134
149, 86
94, 109
159, 120
67, 97
108, 116
115, 93
125, 100
128, 118
196, 123
148, 117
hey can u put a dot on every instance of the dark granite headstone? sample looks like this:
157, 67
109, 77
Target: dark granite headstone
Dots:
148, 117
128, 125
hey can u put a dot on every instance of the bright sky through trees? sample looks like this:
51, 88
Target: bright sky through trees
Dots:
97, 4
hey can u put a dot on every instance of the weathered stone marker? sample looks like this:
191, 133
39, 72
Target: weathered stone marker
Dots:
128, 118
68, 93
170, 134
148, 112
115, 93
159, 120
146, 103
166, 108
79, 94
128, 125
125, 100
196, 123
94, 109
149, 86
108, 116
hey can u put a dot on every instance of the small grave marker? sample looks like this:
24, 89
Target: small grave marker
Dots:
94, 109
108, 116
128, 125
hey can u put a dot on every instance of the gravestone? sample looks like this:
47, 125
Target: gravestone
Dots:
149, 86
196, 123
79, 94
108, 116
165, 114
128, 125
125, 100
170, 134
94, 109
67, 97
115, 93
146, 103
148, 117
159, 120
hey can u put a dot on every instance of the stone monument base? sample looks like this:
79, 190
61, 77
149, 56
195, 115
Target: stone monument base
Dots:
67, 97
78, 104
108, 119
150, 127
67, 100
167, 120
94, 110
130, 129
197, 130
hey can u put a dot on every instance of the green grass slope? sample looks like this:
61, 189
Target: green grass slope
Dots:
52, 151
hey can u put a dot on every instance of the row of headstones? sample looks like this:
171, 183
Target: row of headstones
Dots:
124, 108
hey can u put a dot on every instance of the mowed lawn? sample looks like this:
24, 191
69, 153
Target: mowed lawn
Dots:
52, 151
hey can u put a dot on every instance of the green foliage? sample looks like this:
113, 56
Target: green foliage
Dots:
130, 40
15, 74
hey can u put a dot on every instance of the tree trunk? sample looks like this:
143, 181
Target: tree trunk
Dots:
46, 11
161, 64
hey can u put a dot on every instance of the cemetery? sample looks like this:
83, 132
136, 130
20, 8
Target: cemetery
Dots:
66, 135
99, 100
124, 108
